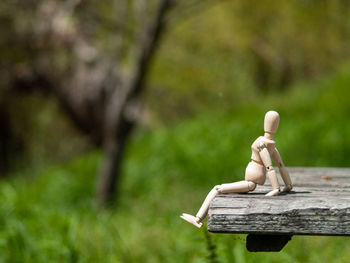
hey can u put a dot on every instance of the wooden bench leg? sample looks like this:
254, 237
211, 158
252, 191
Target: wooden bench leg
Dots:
266, 243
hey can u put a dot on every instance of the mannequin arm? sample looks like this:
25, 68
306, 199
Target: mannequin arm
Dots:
283, 171
265, 157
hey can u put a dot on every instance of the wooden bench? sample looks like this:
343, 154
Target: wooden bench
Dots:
319, 204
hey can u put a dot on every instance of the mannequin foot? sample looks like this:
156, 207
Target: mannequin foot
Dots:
191, 219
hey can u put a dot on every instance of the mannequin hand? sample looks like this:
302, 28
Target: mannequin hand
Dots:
287, 188
273, 192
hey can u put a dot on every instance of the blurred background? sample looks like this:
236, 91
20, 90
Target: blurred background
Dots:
117, 116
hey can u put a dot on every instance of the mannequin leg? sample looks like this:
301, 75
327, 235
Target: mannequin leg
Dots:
196, 220
202, 212
237, 187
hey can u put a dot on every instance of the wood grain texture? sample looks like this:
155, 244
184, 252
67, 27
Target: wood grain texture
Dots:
319, 204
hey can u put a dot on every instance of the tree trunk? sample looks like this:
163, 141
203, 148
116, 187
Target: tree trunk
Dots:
10, 144
114, 147
4, 138
117, 127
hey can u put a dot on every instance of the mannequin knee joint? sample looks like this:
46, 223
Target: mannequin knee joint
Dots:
217, 188
251, 186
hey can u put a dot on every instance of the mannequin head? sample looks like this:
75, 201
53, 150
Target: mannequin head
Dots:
272, 119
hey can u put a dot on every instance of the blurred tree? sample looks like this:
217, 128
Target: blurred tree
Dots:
62, 48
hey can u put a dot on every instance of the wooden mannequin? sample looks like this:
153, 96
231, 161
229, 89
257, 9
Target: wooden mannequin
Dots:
263, 150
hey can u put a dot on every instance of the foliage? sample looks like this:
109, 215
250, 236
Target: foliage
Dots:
51, 217
209, 57
232, 51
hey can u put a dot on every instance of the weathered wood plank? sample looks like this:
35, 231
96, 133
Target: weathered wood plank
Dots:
319, 204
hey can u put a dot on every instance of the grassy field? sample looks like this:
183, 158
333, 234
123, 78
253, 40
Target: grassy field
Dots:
50, 216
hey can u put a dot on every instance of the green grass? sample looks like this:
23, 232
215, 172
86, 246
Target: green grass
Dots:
52, 217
